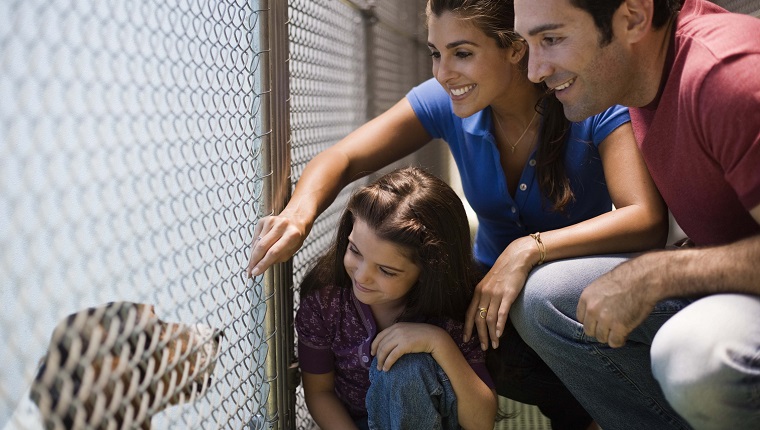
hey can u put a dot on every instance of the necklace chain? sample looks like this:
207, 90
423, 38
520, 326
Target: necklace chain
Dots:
512, 147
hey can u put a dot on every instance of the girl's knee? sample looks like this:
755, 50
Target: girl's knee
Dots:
408, 371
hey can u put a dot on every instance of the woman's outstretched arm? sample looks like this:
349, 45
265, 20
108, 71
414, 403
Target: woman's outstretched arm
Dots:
391, 136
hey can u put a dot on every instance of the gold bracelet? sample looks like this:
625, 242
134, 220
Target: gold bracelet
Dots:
541, 247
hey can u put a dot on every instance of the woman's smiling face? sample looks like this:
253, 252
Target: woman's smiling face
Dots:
467, 63
381, 271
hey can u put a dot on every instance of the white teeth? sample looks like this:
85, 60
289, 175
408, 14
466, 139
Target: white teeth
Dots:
565, 85
460, 91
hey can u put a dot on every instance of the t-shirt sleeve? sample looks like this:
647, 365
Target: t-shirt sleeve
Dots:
477, 359
471, 351
606, 122
728, 116
431, 103
314, 338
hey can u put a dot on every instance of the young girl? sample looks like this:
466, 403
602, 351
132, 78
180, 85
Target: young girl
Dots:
381, 318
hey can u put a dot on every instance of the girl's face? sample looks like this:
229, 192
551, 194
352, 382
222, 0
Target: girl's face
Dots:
380, 271
468, 64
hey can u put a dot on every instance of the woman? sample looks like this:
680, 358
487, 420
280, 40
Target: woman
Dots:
542, 187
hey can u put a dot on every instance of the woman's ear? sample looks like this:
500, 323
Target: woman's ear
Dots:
518, 51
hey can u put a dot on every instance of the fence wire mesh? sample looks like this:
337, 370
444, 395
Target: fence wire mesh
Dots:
130, 178
129, 173
349, 61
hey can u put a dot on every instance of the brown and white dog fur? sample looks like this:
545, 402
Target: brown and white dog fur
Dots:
116, 365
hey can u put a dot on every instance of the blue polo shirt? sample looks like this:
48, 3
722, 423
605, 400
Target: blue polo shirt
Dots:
502, 218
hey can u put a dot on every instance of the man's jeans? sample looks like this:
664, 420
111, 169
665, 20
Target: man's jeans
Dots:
615, 385
414, 394
707, 360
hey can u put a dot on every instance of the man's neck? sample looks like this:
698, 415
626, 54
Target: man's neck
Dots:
652, 53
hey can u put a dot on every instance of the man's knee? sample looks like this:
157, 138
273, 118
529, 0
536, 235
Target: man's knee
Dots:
702, 358
553, 289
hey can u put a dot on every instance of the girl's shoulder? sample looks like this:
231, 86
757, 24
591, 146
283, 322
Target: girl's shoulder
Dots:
470, 349
326, 299
322, 311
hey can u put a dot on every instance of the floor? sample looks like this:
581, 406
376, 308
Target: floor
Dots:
527, 417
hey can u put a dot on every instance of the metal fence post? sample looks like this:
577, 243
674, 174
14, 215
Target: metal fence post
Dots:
276, 157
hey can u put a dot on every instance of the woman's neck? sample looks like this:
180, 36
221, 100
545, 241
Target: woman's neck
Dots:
519, 106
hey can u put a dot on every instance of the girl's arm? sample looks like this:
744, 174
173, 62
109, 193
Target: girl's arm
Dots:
476, 403
324, 406
389, 137
639, 222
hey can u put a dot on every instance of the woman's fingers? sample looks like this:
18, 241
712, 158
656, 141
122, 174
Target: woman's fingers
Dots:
496, 328
469, 318
481, 322
275, 240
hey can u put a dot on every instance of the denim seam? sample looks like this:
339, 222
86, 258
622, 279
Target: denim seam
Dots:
609, 364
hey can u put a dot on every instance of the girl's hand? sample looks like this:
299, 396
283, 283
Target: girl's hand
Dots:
498, 290
275, 239
406, 338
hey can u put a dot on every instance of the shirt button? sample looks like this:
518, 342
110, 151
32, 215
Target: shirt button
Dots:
532, 163
523, 187
514, 210
365, 358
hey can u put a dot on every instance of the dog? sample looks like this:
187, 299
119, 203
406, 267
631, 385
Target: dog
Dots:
117, 365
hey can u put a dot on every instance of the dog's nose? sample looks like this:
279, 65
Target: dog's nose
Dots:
218, 334
209, 381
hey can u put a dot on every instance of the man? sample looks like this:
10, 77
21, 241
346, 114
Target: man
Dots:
691, 74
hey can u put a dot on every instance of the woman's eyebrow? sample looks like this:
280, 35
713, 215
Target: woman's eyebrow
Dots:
454, 44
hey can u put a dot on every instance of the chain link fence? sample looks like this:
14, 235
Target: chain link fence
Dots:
349, 61
139, 143
130, 173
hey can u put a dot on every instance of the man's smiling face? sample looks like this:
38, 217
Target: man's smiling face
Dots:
567, 54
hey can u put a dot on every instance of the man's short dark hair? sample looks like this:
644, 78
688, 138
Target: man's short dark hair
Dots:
603, 10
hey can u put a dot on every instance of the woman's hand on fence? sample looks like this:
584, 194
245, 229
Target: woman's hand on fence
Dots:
275, 239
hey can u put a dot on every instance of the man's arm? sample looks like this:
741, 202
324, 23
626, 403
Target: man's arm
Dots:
616, 303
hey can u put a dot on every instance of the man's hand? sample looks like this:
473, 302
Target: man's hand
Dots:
616, 303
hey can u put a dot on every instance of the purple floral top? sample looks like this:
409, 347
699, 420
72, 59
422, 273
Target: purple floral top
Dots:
335, 333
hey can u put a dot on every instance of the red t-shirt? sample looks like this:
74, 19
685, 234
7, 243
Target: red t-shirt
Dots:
701, 136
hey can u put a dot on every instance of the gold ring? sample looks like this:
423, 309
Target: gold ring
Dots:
482, 312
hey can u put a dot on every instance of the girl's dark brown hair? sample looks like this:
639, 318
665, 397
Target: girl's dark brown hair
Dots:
496, 18
421, 213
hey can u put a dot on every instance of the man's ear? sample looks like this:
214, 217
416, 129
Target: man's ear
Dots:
518, 51
633, 20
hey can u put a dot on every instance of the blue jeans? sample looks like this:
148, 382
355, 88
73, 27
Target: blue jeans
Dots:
521, 375
615, 385
414, 394
707, 360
